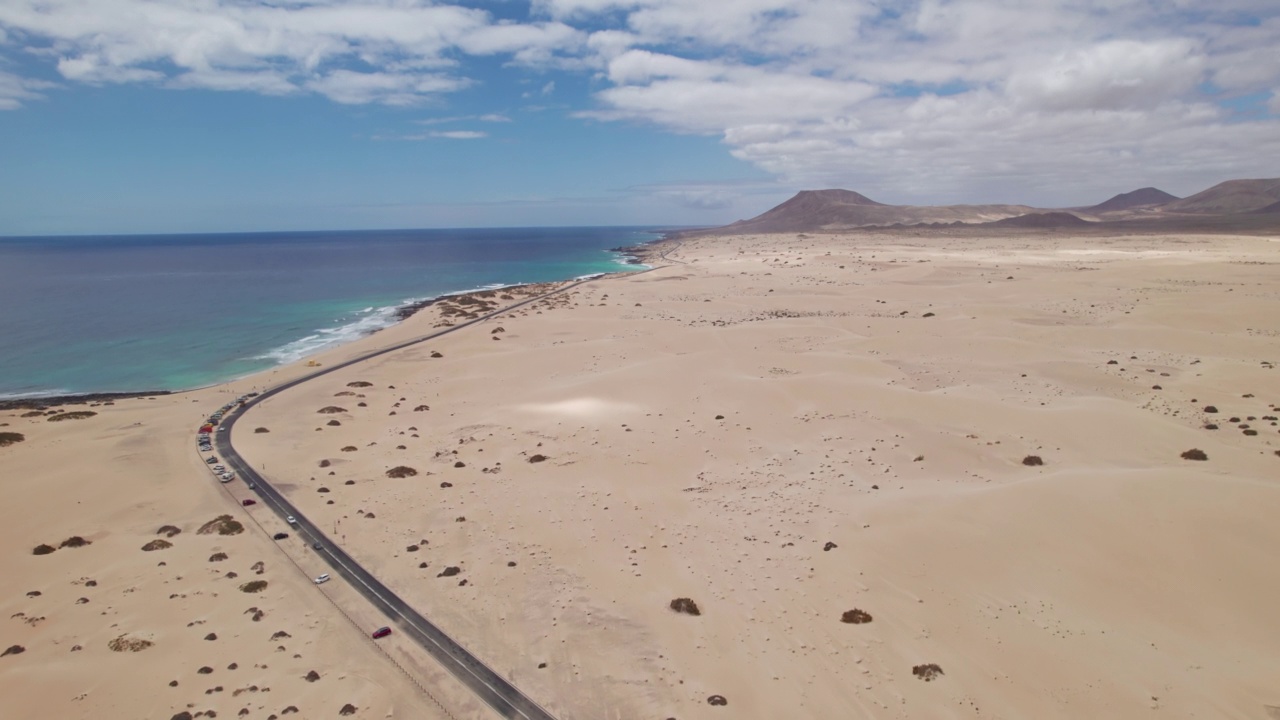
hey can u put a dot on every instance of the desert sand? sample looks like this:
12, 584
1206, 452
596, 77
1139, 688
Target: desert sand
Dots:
975, 441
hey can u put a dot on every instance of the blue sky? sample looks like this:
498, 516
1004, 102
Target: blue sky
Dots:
121, 116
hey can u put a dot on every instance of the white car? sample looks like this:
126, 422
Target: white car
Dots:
291, 520
322, 579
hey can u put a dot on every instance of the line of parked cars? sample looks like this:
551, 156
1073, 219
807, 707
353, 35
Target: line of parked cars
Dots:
204, 440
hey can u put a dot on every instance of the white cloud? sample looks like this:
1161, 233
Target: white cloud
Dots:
1111, 75
14, 90
926, 100
460, 134
494, 118
949, 100
399, 47
357, 88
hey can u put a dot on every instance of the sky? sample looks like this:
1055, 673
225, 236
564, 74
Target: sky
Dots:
144, 116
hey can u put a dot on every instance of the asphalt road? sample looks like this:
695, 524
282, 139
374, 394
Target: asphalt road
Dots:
500, 694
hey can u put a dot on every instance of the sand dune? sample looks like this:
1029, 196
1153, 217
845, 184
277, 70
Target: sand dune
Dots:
781, 430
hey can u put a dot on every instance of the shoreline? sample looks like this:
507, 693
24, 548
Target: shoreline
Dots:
635, 255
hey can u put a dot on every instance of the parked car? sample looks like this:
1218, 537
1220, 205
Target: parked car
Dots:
381, 632
280, 535
211, 459
248, 501
322, 579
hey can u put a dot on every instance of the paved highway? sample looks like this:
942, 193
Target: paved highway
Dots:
500, 694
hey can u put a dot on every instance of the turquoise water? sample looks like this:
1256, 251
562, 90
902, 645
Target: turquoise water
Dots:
129, 313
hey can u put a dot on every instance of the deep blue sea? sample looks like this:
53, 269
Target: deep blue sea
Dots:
173, 312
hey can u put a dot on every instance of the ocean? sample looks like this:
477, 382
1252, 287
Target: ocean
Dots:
174, 312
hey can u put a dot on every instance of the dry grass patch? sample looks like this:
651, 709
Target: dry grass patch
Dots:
685, 605
359, 384
222, 525
254, 586
77, 415
124, 643
927, 672
855, 617
11, 438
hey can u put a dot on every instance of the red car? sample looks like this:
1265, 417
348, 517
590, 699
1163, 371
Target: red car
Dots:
381, 632
248, 502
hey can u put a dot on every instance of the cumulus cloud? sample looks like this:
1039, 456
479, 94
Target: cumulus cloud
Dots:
920, 100
949, 100
357, 51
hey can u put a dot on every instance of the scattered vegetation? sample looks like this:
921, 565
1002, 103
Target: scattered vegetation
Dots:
331, 410
157, 544
717, 700
11, 438
360, 384
685, 605
222, 525
537, 458
218, 557
124, 643
13, 650
1032, 460
829, 546
168, 530
401, 471
347, 709
311, 676
855, 617
350, 448
1194, 454
42, 549
254, 586
74, 541
77, 415
261, 430
927, 672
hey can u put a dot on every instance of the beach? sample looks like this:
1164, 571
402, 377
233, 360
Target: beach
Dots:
900, 474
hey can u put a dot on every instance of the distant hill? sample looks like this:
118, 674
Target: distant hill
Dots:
1232, 206
1232, 196
1138, 198
815, 210
1042, 220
